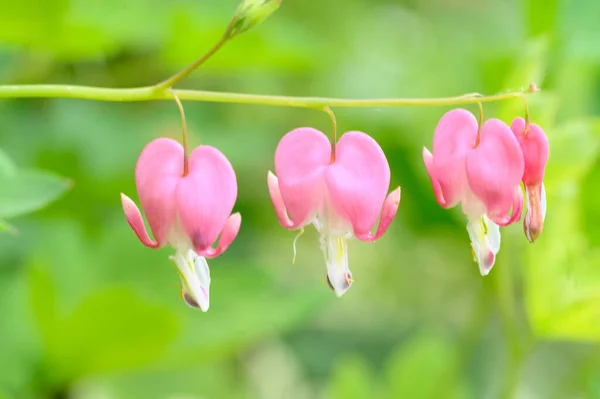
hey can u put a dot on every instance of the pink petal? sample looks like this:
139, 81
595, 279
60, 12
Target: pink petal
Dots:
454, 138
536, 212
535, 149
230, 231
300, 161
157, 172
437, 189
494, 168
205, 197
358, 180
134, 218
278, 203
390, 207
517, 209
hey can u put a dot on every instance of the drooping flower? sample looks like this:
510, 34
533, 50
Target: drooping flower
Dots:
341, 194
185, 210
535, 147
481, 171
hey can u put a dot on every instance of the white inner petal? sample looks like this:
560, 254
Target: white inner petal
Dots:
542, 202
335, 249
335, 234
485, 241
472, 206
528, 216
192, 268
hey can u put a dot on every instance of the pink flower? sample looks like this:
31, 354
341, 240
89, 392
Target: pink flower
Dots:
535, 147
342, 196
186, 211
484, 177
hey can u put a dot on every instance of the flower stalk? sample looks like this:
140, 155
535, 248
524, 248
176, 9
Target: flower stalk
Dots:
184, 135
152, 93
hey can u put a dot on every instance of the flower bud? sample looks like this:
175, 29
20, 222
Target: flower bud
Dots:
251, 13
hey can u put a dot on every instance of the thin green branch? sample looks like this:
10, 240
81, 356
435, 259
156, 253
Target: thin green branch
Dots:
170, 82
153, 93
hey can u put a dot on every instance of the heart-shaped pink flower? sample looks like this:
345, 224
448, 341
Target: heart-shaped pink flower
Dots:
483, 176
343, 198
186, 211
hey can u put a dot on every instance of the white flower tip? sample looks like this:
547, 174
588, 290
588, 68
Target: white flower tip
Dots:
339, 277
341, 285
195, 279
485, 265
485, 243
200, 302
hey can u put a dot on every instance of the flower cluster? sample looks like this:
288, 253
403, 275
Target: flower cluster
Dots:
481, 167
342, 189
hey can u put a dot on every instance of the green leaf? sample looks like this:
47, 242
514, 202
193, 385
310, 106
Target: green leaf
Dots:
562, 275
25, 191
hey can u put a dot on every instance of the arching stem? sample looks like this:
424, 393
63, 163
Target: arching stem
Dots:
333, 133
526, 115
184, 140
170, 82
478, 138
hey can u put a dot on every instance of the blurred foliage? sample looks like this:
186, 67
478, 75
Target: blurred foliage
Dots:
87, 312
25, 191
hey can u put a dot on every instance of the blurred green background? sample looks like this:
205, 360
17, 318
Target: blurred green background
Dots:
87, 312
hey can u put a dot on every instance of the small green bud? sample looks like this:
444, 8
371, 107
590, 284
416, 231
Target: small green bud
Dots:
251, 13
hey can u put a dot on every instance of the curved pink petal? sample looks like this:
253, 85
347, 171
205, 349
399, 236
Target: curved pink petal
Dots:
454, 138
390, 207
358, 180
157, 172
536, 212
230, 231
535, 149
437, 189
300, 161
278, 203
134, 218
495, 167
517, 209
205, 197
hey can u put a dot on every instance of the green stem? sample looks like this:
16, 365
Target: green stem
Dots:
155, 93
170, 82
508, 311
329, 112
184, 135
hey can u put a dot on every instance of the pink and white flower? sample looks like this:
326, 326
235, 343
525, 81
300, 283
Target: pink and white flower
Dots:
482, 170
535, 147
185, 210
341, 195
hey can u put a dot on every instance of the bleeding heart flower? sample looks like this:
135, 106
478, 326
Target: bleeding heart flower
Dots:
341, 195
482, 174
535, 147
185, 210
